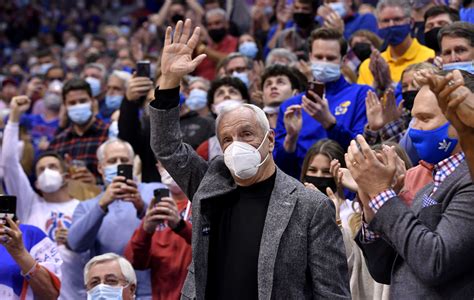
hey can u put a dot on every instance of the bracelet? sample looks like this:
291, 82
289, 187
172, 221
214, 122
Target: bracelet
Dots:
31, 272
339, 223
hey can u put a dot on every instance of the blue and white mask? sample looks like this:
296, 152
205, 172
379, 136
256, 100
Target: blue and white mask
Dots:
105, 292
434, 145
197, 99
113, 101
95, 85
80, 113
338, 8
110, 172
325, 72
248, 49
244, 77
467, 66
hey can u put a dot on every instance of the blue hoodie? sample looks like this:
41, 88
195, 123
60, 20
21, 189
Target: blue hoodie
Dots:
346, 103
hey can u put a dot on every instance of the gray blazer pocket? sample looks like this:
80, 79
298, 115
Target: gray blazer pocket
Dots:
189, 287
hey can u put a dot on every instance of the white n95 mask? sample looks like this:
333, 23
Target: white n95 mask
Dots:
50, 181
243, 160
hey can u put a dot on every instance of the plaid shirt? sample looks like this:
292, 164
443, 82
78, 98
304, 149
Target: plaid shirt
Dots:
392, 131
82, 147
440, 172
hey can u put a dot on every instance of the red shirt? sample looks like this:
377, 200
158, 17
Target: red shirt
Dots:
166, 253
207, 68
415, 179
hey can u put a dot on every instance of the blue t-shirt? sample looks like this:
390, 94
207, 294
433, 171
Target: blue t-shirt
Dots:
39, 128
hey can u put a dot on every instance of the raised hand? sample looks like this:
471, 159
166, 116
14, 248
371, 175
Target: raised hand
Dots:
293, 121
374, 111
380, 70
176, 58
319, 110
138, 87
342, 176
19, 105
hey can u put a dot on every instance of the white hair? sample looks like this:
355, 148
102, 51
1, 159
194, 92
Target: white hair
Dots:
218, 12
280, 52
101, 150
125, 266
122, 75
193, 79
97, 66
259, 115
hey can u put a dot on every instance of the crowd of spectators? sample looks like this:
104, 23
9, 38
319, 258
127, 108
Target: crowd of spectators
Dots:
210, 149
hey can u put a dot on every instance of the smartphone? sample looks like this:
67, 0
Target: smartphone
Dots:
161, 193
317, 88
125, 170
7, 209
143, 68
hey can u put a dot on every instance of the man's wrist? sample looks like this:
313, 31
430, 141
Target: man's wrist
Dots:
179, 226
169, 82
329, 123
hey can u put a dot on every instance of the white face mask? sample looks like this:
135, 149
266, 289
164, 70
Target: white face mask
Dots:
105, 292
50, 181
243, 160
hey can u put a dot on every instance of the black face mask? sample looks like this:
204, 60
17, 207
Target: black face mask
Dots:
431, 39
321, 183
217, 35
177, 17
303, 20
362, 50
409, 98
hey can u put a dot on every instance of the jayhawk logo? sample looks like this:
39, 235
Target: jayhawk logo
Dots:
55, 221
342, 108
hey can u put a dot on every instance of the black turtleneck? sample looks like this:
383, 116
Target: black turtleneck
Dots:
236, 230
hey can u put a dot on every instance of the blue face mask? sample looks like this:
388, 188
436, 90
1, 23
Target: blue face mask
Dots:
113, 130
325, 72
248, 49
467, 66
433, 145
395, 35
242, 76
80, 113
113, 101
197, 99
94, 84
338, 8
110, 172
105, 292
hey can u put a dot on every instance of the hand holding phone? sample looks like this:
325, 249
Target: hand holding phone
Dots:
125, 170
160, 194
317, 88
7, 209
143, 68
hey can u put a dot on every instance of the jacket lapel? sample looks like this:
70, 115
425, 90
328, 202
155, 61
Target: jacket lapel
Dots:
280, 209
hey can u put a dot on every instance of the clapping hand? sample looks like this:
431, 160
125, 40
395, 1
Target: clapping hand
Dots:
379, 114
176, 58
380, 70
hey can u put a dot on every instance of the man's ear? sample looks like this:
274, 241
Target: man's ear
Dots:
100, 169
271, 137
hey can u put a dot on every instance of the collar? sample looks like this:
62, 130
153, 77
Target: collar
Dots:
336, 86
410, 54
448, 165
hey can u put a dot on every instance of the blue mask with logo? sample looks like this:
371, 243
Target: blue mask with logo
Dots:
80, 113
325, 72
395, 35
243, 77
248, 49
113, 101
467, 66
94, 84
110, 172
433, 145
197, 99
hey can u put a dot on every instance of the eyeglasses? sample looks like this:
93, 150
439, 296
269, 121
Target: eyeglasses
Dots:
108, 280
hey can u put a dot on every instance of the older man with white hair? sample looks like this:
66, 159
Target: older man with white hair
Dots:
116, 87
257, 232
106, 223
110, 276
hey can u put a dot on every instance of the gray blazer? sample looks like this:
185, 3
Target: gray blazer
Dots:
427, 253
301, 251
